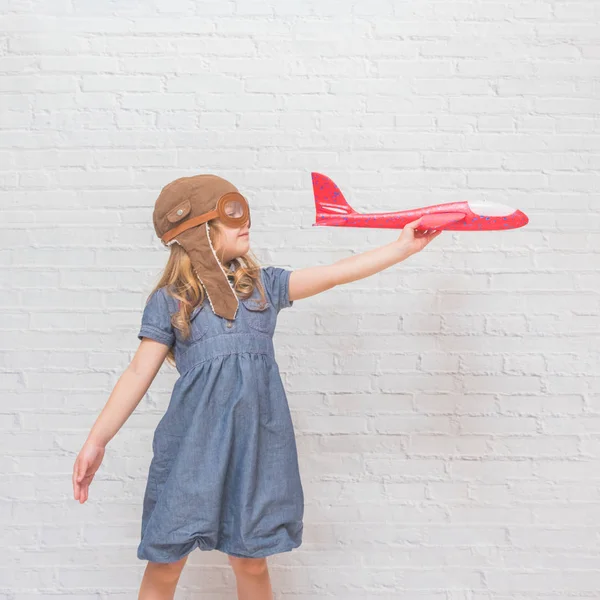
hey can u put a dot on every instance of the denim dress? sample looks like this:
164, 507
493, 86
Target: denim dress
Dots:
224, 473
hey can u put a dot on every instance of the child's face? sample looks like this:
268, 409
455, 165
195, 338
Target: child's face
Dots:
232, 241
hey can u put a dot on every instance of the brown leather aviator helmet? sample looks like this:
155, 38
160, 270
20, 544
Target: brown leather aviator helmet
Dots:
181, 214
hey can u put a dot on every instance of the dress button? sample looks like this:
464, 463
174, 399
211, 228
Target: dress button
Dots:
229, 324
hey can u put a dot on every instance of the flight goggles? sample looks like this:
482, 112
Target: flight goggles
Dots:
232, 209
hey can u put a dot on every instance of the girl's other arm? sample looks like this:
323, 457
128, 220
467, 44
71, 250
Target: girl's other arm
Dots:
125, 396
313, 280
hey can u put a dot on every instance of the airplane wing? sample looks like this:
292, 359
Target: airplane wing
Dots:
439, 220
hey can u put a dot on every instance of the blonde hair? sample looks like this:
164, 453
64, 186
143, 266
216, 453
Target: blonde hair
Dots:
183, 284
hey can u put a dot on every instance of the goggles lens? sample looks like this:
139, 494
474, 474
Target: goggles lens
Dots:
234, 209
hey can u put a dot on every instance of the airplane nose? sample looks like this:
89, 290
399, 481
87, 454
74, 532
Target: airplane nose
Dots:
512, 217
520, 218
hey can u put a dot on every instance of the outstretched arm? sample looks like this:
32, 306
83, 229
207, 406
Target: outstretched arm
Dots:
313, 280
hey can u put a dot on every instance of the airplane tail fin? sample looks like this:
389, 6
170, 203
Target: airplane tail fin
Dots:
329, 200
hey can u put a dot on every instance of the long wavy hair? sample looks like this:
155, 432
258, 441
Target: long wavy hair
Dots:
183, 284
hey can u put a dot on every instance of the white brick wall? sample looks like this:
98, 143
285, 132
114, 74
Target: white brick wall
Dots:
447, 409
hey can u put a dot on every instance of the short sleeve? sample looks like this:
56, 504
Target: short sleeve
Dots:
156, 319
277, 284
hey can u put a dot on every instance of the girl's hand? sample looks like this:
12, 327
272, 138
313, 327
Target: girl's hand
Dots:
413, 240
87, 463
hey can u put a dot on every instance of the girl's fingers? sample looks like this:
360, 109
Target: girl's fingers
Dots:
413, 224
79, 483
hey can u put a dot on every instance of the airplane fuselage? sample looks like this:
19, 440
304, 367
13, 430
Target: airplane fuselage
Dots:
467, 219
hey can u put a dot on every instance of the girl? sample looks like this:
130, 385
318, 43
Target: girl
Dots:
224, 473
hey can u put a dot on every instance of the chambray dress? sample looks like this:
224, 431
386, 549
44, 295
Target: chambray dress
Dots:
224, 473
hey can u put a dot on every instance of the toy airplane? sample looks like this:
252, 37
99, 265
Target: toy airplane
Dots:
332, 209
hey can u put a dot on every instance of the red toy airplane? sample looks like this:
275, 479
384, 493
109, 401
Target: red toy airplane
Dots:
332, 209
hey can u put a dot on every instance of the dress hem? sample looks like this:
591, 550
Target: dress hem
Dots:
259, 554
